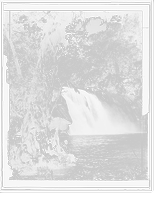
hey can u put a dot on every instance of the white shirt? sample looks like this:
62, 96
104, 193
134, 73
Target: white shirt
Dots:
65, 148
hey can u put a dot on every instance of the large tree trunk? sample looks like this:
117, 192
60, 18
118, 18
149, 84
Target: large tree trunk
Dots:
15, 58
49, 70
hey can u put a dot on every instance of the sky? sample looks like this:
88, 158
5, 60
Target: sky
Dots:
94, 26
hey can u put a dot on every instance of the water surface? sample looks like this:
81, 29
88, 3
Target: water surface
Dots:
104, 157
103, 151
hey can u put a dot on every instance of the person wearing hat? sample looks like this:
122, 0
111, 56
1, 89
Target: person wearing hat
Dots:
39, 139
52, 148
25, 156
65, 145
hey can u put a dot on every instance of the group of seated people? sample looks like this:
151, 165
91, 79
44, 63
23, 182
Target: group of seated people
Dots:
52, 147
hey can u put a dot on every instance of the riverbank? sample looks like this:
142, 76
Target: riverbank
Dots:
84, 173
101, 157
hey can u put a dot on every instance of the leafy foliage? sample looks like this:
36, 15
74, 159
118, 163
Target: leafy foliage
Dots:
112, 60
51, 54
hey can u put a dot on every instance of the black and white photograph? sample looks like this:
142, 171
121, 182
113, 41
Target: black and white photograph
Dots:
76, 95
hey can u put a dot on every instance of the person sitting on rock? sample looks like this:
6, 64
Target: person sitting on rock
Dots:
40, 139
66, 151
25, 156
52, 148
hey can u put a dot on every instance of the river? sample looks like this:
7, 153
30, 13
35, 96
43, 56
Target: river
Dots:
104, 158
102, 151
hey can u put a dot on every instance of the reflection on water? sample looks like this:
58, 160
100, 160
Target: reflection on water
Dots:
105, 152
109, 150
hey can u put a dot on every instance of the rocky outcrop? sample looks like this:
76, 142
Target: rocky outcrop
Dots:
58, 111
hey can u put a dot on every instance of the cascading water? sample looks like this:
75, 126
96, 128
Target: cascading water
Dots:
90, 116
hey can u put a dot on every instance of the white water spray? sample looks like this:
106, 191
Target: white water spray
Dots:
91, 117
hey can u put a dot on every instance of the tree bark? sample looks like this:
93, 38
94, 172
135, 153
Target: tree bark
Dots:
49, 69
15, 58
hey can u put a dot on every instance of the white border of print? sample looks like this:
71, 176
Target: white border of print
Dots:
81, 185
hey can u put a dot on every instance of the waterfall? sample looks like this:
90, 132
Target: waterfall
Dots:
91, 117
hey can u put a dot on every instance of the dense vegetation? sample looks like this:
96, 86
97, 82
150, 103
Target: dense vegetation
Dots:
108, 61
100, 55
111, 60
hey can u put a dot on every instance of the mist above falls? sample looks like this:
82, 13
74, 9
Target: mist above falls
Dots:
90, 116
